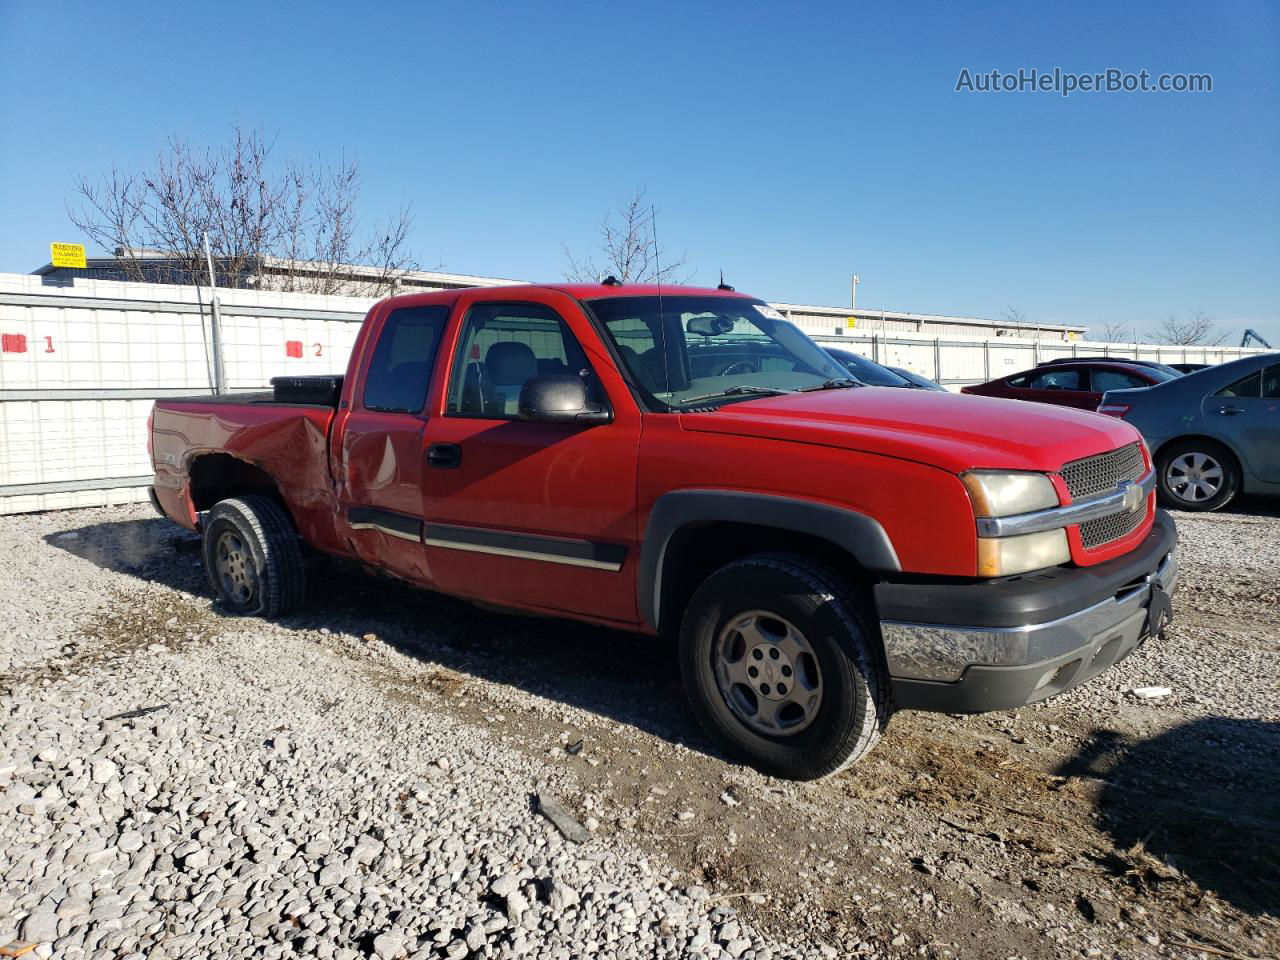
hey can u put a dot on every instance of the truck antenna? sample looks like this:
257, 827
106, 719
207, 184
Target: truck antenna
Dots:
657, 278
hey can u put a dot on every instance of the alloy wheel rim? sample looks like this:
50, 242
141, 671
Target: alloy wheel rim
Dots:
768, 673
1194, 477
234, 567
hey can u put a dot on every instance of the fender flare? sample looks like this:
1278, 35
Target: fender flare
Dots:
860, 535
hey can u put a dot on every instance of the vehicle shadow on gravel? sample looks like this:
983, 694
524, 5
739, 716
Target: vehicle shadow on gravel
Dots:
625, 677
1202, 799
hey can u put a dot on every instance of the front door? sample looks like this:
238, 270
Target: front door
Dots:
524, 513
1247, 415
1064, 387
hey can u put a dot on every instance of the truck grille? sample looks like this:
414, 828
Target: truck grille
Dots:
1098, 475
1101, 474
1095, 533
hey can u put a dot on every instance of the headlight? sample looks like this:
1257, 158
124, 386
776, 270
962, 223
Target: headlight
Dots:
1007, 494
1005, 556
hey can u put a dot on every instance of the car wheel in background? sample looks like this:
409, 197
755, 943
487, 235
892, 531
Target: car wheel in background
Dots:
1197, 475
253, 558
782, 664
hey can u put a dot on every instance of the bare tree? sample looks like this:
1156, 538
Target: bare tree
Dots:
1118, 331
1016, 316
277, 225
628, 249
1198, 328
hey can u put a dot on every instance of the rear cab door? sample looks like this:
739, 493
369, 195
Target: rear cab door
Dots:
378, 441
530, 514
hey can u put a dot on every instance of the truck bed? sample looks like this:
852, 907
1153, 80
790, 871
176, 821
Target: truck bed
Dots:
197, 440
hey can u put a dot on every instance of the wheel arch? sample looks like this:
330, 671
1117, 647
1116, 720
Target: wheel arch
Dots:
691, 533
216, 476
1218, 442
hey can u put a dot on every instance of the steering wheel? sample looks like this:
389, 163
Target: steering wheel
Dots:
738, 366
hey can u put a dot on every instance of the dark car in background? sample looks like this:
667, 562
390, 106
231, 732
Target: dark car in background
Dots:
1080, 384
877, 374
867, 371
1190, 367
1213, 434
918, 379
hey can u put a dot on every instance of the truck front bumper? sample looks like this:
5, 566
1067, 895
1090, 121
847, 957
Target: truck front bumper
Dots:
994, 645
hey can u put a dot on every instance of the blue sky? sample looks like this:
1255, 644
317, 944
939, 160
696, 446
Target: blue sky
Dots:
789, 144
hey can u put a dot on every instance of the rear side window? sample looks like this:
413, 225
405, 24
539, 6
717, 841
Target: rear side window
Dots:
401, 366
1271, 382
1250, 386
1104, 380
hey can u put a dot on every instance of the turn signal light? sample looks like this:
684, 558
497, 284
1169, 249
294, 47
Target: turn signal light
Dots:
1114, 409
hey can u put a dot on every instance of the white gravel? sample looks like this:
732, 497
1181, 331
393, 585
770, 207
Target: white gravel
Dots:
277, 801
45, 591
301, 789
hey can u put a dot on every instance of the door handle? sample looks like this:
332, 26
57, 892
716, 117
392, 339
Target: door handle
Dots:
446, 456
1229, 411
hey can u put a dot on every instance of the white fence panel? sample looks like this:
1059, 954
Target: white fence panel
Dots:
81, 366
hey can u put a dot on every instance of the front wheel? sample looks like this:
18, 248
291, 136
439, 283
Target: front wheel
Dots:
781, 663
1197, 475
252, 557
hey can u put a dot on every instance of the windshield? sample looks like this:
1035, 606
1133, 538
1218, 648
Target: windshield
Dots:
700, 351
867, 371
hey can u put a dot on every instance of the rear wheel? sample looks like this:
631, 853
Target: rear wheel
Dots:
782, 666
1197, 475
252, 557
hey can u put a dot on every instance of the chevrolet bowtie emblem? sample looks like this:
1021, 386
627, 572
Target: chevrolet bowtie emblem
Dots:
1133, 497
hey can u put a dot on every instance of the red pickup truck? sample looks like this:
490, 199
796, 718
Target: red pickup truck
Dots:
686, 462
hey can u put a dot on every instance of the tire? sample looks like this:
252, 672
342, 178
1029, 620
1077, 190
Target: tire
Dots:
1197, 475
252, 557
763, 601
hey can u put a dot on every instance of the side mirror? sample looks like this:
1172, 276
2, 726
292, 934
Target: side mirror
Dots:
560, 399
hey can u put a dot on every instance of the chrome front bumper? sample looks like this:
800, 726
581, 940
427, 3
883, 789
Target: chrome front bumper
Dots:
960, 668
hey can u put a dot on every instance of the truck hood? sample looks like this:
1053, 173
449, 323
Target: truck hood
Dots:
946, 430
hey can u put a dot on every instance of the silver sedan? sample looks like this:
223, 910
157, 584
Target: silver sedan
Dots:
1213, 434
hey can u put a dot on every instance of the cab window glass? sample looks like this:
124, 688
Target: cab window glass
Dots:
501, 347
1104, 380
1250, 386
401, 365
1056, 380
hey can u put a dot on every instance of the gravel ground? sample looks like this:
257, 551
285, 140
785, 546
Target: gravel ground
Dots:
359, 781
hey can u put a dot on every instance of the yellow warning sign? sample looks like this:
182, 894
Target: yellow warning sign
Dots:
852, 323
67, 255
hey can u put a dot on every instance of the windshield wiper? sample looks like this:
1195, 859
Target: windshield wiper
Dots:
739, 389
835, 383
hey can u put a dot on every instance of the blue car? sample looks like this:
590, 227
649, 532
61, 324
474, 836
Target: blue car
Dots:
1213, 433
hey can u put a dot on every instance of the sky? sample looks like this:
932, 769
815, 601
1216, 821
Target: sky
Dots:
790, 145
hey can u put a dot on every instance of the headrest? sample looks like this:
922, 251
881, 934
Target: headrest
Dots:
510, 361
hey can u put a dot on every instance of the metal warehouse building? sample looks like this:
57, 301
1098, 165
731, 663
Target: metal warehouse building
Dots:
272, 273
